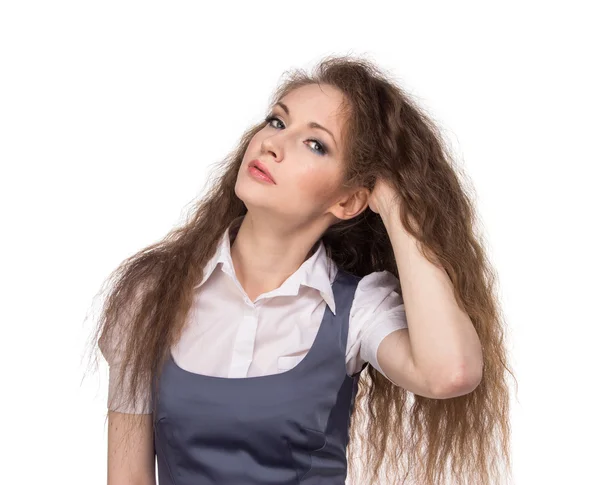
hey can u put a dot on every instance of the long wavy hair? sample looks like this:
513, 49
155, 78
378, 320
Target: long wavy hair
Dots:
396, 437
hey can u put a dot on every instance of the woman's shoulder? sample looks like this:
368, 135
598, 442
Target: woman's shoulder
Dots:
385, 277
118, 328
376, 281
377, 310
375, 288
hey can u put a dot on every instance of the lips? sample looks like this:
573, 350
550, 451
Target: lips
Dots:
262, 168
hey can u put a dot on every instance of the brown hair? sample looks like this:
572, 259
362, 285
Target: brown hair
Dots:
399, 437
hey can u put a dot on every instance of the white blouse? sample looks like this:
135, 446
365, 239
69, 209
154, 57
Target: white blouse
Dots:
274, 332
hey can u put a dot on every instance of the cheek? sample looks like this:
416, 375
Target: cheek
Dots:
316, 183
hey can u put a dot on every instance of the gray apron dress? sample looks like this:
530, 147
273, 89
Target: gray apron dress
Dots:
289, 428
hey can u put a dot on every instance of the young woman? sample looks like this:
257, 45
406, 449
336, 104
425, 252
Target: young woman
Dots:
327, 296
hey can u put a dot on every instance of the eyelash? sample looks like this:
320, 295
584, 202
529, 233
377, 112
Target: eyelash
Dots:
324, 150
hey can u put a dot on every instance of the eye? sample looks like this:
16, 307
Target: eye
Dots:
321, 148
268, 120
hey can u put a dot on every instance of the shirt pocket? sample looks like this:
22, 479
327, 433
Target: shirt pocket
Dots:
287, 362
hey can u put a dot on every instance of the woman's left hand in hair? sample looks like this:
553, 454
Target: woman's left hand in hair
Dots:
384, 197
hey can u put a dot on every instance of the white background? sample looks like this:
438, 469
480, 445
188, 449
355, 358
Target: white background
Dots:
112, 112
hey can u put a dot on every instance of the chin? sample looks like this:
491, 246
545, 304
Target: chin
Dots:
249, 192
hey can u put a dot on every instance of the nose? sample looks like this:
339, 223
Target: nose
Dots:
272, 144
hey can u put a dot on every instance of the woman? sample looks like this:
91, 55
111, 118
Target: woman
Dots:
328, 295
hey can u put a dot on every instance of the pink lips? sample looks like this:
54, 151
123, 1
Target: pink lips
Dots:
260, 171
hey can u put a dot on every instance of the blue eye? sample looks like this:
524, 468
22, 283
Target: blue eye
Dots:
272, 118
322, 148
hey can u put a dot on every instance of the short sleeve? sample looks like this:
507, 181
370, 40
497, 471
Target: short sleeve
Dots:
377, 311
112, 346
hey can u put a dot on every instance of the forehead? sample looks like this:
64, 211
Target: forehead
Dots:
320, 103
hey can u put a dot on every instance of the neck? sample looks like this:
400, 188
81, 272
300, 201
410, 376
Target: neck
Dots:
265, 254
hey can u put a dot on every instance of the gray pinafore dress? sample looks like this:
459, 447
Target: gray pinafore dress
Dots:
289, 428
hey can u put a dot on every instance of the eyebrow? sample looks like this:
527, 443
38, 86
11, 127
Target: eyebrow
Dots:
312, 124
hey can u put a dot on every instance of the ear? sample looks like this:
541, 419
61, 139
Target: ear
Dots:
351, 204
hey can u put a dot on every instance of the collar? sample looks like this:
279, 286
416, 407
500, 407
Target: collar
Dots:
315, 272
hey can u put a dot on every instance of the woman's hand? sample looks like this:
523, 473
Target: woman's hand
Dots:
384, 198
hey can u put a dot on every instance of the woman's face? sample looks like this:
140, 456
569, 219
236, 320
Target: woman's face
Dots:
304, 161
